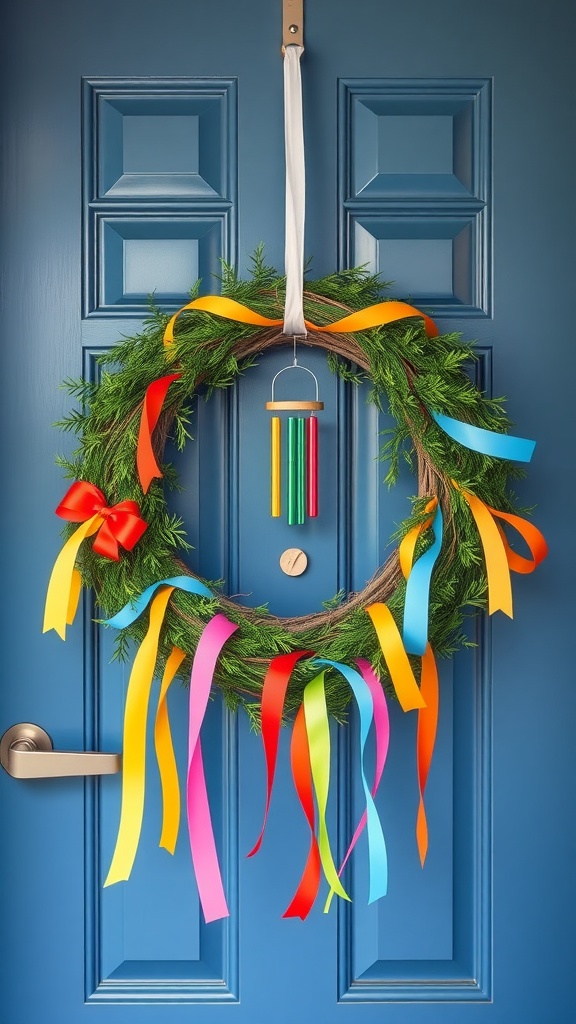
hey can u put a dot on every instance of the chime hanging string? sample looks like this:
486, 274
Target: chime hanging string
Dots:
294, 324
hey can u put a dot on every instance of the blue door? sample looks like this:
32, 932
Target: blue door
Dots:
142, 144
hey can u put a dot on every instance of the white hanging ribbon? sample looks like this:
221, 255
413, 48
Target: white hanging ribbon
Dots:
295, 193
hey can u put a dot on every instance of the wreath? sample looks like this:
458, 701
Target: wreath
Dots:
452, 556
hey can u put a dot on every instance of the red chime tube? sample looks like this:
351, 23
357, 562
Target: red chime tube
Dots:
312, 465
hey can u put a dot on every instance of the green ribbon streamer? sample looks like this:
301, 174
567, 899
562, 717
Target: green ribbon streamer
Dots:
318, 729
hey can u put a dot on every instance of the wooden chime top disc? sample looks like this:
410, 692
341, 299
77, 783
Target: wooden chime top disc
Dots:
300, 406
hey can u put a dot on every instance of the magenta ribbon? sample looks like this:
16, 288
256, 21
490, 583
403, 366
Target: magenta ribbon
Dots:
202, 842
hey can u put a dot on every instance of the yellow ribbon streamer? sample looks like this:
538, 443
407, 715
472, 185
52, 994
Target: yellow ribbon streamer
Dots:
65, 583
166, 758
401, 674
372, 316
318, 731
134, 745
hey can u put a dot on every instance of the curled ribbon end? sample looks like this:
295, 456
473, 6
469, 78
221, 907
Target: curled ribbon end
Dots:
217, 916
147, 478
431, 328
111, 879
168, 845
61, 630
255, 848
422, 833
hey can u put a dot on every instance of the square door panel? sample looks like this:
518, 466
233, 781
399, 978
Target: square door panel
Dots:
170, 140
432, 258
415, 138
148, 254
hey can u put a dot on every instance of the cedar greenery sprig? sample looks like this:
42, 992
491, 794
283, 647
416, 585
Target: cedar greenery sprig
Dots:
404, 369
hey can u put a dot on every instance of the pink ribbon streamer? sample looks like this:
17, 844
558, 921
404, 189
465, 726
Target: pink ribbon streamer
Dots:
202, 842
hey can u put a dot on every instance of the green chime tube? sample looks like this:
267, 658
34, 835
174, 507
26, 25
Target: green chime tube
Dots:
292, 474
301, 469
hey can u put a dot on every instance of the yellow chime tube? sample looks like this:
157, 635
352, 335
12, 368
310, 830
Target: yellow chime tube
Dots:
275, 471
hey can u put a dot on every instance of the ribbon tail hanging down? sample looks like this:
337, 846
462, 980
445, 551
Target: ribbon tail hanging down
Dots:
64, 586
305, 895
166, 758
418, 577
201, 833
152, 405
401, 674
134, 745
318, 730
273, 696
425, 741
377, 855
382, 724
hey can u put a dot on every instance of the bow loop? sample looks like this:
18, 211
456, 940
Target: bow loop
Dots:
121, 524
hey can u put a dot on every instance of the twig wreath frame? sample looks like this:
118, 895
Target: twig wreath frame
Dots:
419, 377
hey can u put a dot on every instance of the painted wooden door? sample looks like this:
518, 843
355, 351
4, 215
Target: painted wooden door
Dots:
142, 142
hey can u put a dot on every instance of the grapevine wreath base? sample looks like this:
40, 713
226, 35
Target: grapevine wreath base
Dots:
452, 558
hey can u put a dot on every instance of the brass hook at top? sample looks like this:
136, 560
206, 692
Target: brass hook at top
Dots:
292, 23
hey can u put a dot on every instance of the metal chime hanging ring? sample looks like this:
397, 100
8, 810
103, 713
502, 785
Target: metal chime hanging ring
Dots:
312, 406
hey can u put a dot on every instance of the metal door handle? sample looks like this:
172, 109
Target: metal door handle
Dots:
27, 752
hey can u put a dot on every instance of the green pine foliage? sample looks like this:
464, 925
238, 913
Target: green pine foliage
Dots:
408, 371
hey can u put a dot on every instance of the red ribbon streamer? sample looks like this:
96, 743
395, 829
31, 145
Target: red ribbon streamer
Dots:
122, 523
273, 694
425, 740
312, 465
307, 890
151, 409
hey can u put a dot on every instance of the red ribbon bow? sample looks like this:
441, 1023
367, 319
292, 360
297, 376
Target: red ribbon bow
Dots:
121, 524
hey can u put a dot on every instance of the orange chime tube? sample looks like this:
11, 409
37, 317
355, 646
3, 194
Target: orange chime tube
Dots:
275, 470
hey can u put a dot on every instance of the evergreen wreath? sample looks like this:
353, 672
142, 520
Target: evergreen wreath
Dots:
405, 368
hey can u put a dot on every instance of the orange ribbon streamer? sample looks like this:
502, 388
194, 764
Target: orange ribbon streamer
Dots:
401, 674
165, 756
425, 740
218, 305
428, 715
372, 316
121, 524
498, 555
408, 543
307, 890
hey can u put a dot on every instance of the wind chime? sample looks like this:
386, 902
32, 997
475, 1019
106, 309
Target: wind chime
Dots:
301, 453
302, 433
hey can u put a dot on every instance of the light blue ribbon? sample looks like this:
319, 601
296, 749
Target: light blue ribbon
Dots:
133, 610
377, 855
417, 600
487, 442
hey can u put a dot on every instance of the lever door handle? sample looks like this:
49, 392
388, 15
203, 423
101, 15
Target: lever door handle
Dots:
27, 752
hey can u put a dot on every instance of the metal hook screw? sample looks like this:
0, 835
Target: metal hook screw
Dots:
293, 29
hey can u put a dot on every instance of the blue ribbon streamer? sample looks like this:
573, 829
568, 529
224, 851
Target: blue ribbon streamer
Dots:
133, 610
487, 442
417, 600
377, 855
